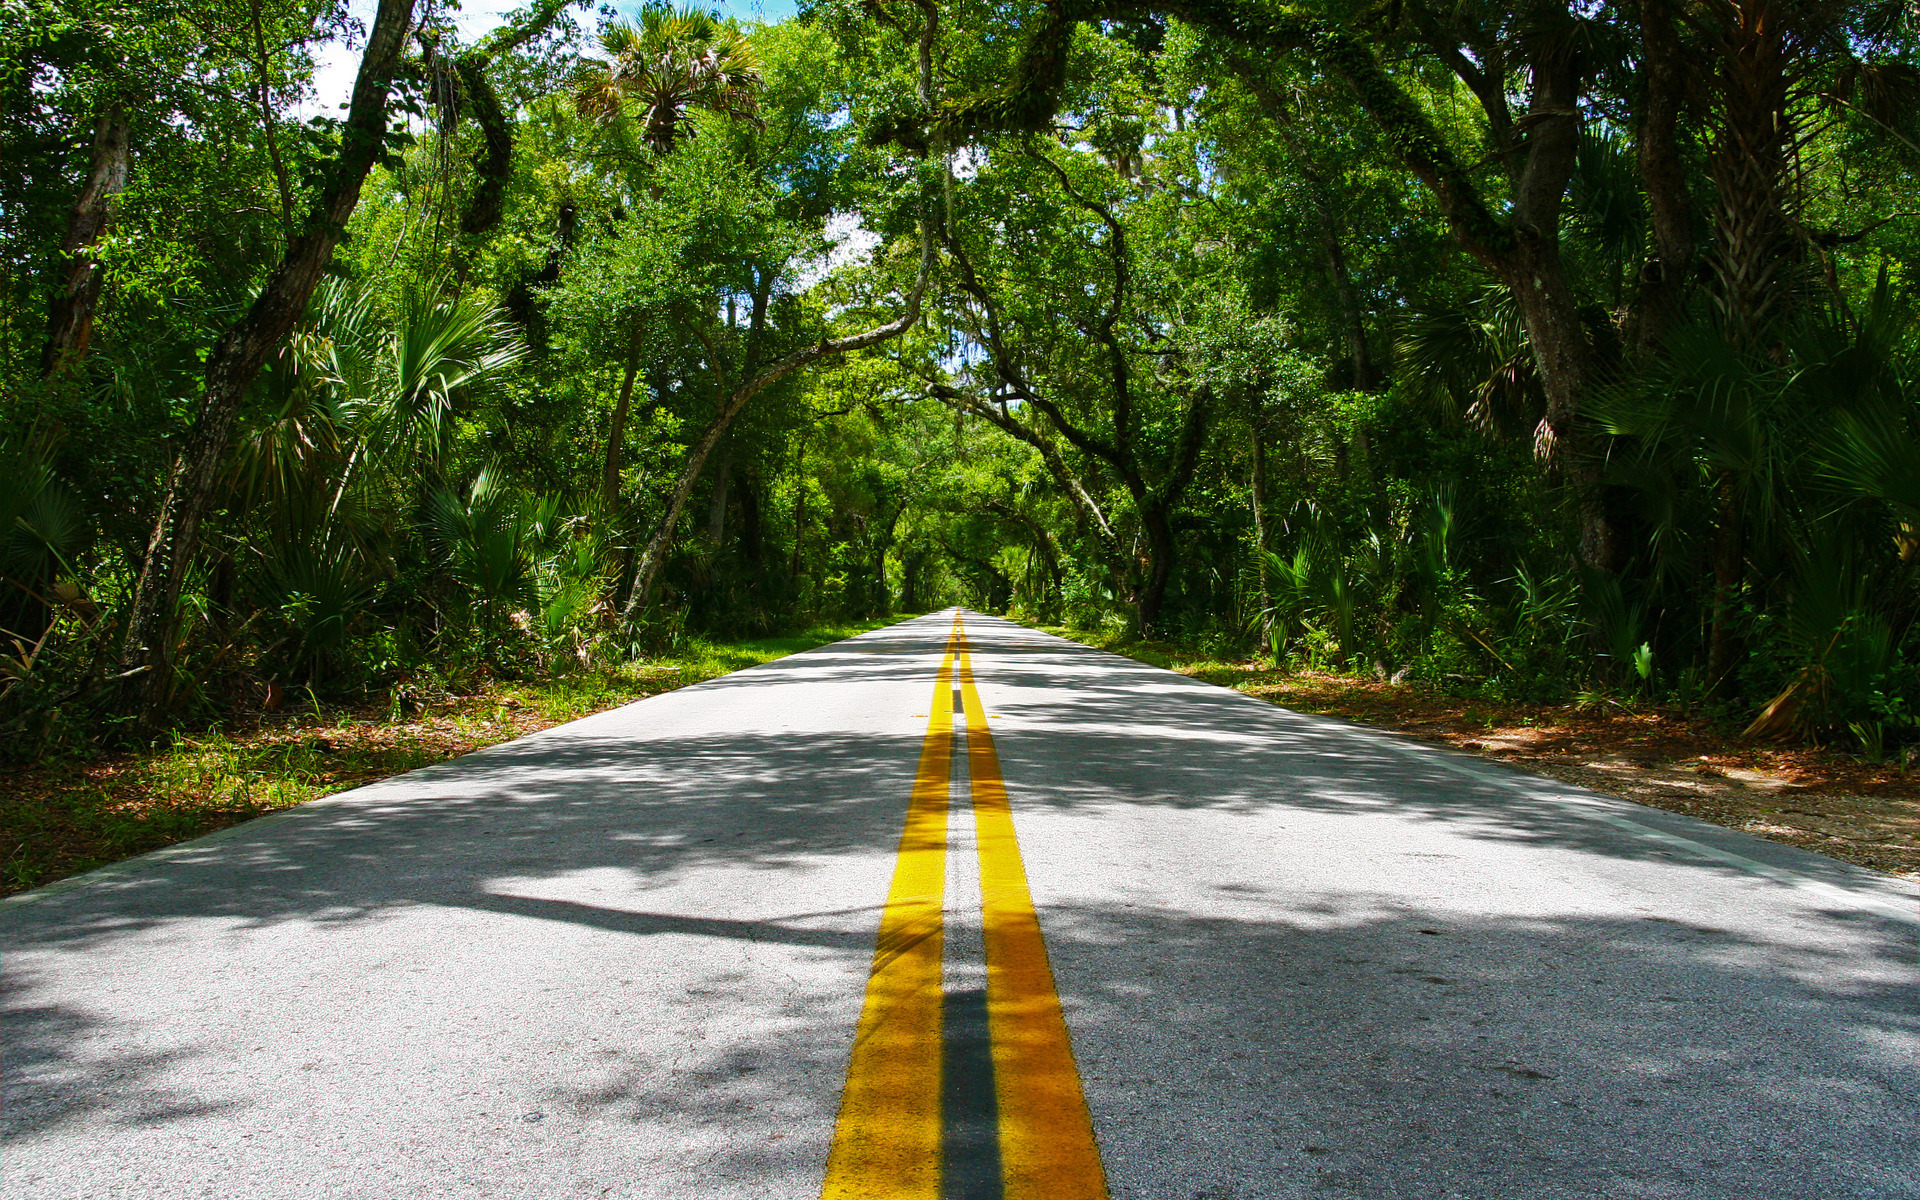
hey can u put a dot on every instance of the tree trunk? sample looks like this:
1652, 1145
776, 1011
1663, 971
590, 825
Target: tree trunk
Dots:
1568, 371
1665, 279
799, 516
617, 432
1258, 488
717, 504
750, 520
148, 649
1156, 510
1366, 375
655, 552
75, 301
1754, 248
1534, 271
910, 569
656, 548
1152, 594
493, 160
882, 594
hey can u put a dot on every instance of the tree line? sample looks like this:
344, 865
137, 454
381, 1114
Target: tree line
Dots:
1543, 349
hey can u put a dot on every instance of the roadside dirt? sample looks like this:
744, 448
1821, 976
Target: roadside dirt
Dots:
1818, 799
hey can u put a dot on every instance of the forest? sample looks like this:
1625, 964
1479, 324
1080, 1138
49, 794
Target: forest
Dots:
1530, 351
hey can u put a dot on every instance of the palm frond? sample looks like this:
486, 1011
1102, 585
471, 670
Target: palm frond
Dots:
440, 350
671, 62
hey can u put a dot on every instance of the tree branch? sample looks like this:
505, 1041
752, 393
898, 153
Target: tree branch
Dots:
1103, 332
493, 161
1009, 372
998, 415
1029, 104
655, 552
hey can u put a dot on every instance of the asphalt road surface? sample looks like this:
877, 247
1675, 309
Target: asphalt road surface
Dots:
964, 911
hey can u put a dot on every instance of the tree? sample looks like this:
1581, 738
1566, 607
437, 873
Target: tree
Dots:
1480, 45
735, 399
670, 64
148, 646
661, 71
1224, 314
1072, 363
76, 300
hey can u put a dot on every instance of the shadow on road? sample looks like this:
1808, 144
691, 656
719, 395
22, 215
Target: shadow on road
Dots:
1350, 1043
1128, 733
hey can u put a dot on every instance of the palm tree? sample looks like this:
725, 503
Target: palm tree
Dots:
355, 410
669, 64
659, 71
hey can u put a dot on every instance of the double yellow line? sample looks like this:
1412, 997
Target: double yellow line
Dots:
888, 1139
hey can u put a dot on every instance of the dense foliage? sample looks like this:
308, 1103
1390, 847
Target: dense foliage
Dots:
1553, 350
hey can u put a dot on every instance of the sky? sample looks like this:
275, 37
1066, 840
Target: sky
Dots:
336, 65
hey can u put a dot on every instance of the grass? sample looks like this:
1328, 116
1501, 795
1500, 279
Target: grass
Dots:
62, 817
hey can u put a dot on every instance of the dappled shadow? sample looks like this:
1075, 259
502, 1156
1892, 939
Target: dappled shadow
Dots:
1367, 1048
44, 1081
648, 808
628, 790
1354, 1048
648, 795
647, 899
1084, 727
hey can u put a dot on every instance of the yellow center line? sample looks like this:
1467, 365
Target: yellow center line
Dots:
1047, 1151
887, 1141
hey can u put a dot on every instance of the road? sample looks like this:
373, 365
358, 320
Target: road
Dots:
799, 932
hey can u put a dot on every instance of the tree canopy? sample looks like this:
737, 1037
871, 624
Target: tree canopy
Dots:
1545, 348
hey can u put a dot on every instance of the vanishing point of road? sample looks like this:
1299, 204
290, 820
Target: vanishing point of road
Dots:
957, 909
